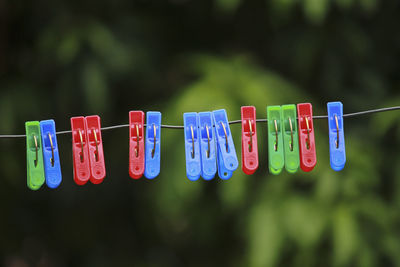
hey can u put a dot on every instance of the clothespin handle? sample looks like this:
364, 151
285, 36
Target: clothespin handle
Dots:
337, 150
80, 152
276, 158
136, 144
226, 152
95, 147
34, 155
249, 140
152, 144
51, 157
308, 157
207, 146
290, 138
192, 145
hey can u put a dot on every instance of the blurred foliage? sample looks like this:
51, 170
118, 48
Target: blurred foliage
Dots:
60, 59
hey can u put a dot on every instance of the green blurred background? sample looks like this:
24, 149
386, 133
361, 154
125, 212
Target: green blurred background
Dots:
60, 59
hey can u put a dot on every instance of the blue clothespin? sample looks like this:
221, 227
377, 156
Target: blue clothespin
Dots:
192, 145
227, 160
336, 136
152, 144
51, 157
207, 146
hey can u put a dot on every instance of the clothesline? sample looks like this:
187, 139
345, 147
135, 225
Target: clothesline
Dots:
167, 126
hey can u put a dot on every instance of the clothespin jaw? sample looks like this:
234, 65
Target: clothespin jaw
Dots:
34, 155
308, 156
80, 152
136, 144
275, 140
249, 140
290, 138
153, 144
95, 148
192, 145
51, 157
226, 154
336, 136
207, 146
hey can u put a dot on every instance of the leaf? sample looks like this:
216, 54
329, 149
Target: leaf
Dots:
95, 87
227, 6
68, 47
315, 10
345, 236
106, 46
265, 237
304, 221
368, 5
345, 4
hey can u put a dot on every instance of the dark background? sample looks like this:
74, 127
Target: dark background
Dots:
60, 59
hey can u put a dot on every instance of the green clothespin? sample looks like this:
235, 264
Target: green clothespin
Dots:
290, 138
34, 155
275, 140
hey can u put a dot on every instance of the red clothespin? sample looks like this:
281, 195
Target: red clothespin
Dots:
249, 140
136, 144
80, 152
95, 147
308, 156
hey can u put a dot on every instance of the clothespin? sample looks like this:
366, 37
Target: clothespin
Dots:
249, 140
87, 150
136, 144
153, 144
336, 136
80, 152
51, 157
192, 145
95, 148
275, 140
226, 154
290, 138
34, 155
308, 157
207, 146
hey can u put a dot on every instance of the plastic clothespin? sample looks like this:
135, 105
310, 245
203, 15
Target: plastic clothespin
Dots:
192, 145
34, 155
95, 148
249, 140
290, 138
207, 146
226, 154
51, 157
308, 156
80, 152
276, 158
337, 148
153, 144
136, 144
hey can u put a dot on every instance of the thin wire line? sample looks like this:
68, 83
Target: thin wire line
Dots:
167, 126
371, 111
